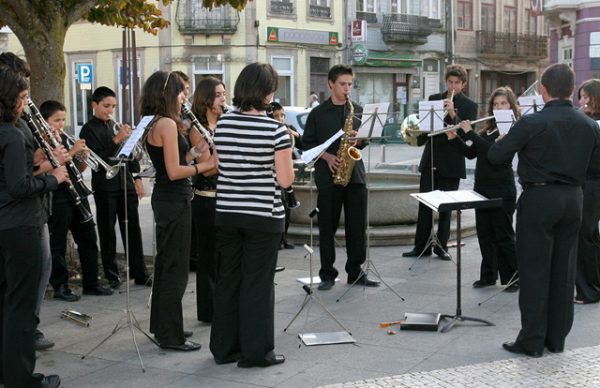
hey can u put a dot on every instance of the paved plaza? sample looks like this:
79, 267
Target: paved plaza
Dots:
469, 355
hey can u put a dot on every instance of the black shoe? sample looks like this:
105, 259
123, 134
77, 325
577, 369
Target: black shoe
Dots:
114, 284
145, 281
41, 342
98, 291
65, 293
554, 349
288, 245
483, 283
363, 280
326, 284
279, 268
514, 347
229, 359
188, 333
442, 254
512, 288
270, 359
187, 346
49, 381
416, 252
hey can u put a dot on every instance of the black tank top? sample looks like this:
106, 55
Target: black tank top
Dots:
164, 188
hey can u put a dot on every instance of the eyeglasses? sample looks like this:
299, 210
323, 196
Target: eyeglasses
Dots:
166, 82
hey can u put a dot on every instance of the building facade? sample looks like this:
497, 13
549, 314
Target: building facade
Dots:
575, 35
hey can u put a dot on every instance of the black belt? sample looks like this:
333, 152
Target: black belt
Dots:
529, 185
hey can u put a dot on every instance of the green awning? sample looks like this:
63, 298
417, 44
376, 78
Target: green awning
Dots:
391, 59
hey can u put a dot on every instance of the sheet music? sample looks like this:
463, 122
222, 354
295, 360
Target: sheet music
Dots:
527, 104
369, 115
137, 133
425, 115
437, 197
505, 119
313, 153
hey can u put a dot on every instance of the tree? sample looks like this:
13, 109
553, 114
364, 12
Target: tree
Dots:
41, 27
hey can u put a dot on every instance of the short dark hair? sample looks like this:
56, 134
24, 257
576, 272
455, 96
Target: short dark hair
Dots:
559, 80
456, 70
592, 89
15, 63
204, 97
50, 107
255, 82
273, 106
338, 70
159, 97
12, 83
101, 93
182, 75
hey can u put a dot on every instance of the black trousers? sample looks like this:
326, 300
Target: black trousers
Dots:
242, 326
204, 240
20, 271
497, 241
587, 281
65, 217
548, 219
330, 201
424, 223
110, 205
171, 267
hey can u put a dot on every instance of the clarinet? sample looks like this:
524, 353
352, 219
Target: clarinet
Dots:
86, 215
55, 143
203, 131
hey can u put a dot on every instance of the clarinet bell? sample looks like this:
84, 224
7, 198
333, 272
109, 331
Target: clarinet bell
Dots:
290, 198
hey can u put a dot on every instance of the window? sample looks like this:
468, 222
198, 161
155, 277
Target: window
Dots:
365, 5
464, 15
320, 8
407, 7
488, 17
510, 20
285, 88
431, 9
282, 7
531, 26
207, 65
565, 51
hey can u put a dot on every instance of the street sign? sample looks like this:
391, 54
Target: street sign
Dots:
85, 75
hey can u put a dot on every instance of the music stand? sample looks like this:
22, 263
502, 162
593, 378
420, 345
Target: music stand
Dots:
433, 240
128, 320
369, 266
449, 201
316, 338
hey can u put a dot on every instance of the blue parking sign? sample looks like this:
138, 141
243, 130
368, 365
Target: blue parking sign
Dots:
84, 73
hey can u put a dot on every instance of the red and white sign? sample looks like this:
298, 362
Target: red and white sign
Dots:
359, 31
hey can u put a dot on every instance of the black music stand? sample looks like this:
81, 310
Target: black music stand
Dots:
457, 200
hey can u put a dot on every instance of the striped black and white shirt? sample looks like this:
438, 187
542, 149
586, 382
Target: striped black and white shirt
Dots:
247, 191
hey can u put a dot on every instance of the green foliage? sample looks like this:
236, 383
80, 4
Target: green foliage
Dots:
237, 4
128, 13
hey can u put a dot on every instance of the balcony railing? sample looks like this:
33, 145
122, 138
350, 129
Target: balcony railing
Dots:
512, 45
192, 18
282, 7
402, 28
320, 12
369, 17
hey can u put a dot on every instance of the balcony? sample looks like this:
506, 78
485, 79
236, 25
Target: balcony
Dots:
320, 12
282, 7
369, 17
402, 28
504, 44
192, 18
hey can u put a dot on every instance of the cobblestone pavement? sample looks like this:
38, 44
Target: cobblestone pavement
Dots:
574, 368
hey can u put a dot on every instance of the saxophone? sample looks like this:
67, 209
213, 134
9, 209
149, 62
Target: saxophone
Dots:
347, 154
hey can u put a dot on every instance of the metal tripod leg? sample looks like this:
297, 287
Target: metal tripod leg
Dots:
513, 279
370, 267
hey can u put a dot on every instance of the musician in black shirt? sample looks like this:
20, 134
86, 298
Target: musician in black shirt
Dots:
549, 209
101, 138
20, 235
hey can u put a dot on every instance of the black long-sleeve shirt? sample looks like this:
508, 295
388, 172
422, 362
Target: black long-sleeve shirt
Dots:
20, 191
487, 174
554, 145
322, 123
98, 137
